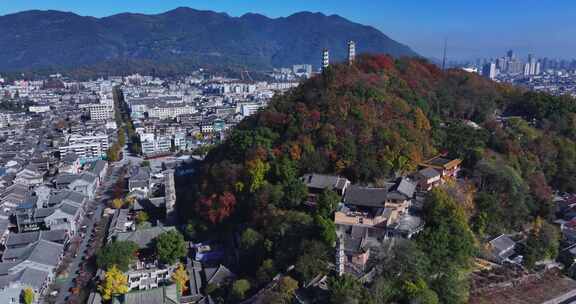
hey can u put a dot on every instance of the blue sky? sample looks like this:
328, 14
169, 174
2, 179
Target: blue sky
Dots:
473, 28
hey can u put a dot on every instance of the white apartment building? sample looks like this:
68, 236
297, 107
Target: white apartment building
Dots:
87, 148
101, 111
167, 111
155, 144
39, 109
248, 108
86, 152
101, 139
180, 140
5, 119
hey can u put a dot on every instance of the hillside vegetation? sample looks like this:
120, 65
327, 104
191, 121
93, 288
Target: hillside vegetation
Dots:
178, 40
371, 122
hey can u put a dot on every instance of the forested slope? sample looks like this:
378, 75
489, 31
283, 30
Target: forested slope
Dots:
370, 122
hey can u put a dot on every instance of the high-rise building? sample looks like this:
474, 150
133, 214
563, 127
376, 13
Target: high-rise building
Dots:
527, 69
351, 52
502, 64
325, 59
532, 62
489, 70
515, 66
510, 55
537, 70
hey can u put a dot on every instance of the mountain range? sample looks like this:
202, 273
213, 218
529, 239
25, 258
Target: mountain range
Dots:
48, 39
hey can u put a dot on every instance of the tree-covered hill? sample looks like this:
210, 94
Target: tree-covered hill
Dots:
184, 36
371, 122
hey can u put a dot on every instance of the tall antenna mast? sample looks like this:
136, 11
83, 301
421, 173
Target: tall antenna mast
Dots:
444, 55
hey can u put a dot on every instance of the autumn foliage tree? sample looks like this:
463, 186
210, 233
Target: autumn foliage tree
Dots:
28, 295
115, 283
180, 277
371, 122
216, 207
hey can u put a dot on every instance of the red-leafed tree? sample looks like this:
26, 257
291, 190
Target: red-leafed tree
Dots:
376, 63
216, 207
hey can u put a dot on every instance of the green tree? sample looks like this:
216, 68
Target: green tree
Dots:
240, 288
287, 287
489, 218
384, 290
542, 242
295, 192
113, 153
344, 289
326, 229
269, 194
170, 247
119, 253
284, 170
312, 260
257, 170
249, 239
266, 272
419, 292
447, 238
327, 203
451, 286
407, 261
141, 217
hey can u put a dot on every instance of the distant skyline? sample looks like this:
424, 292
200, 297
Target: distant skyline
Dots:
474, 29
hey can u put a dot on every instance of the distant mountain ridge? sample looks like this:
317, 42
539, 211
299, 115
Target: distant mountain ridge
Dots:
44, 39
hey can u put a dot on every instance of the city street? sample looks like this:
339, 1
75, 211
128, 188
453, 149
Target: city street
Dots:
91, 220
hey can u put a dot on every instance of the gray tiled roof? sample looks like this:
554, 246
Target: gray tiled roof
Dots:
4, 224
18, 254
143, 237
20, 239
161, 295
69, 208
65, 178
33, 277
42, 252
321, 181
406, 187
218, 275
70, 158
28, 276
139, 173
47, 253
66, 195
6, 266
43, 212
366, 197
17, 191
502, 243
194, 271
58, 235
429, 173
